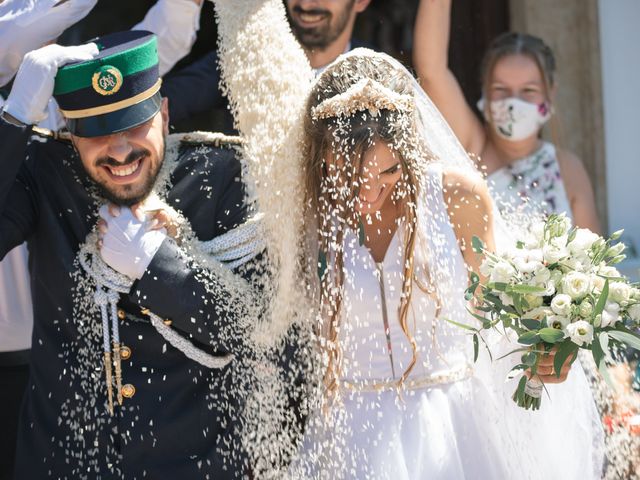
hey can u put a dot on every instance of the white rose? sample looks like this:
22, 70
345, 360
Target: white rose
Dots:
541, 276
502, 272
634, 312
609, 272
581, 332
610, 315
529, 261
554, 253
586, 309
579, 263
619, 292
560, 227
556, 278
536, 235
561, 304
534, 301
550, 289
583, 241
559, 322
539, 313
576, 284
597, 283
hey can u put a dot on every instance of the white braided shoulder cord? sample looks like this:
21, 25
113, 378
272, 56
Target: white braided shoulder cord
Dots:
234, 248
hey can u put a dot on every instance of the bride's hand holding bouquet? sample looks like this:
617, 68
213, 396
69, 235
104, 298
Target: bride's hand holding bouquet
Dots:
558, 290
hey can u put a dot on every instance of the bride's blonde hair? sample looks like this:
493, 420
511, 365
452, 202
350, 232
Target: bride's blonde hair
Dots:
331, 190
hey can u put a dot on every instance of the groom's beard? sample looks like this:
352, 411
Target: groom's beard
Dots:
128, 194
326, 33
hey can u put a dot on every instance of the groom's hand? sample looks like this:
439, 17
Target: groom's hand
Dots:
127, 243
33, 86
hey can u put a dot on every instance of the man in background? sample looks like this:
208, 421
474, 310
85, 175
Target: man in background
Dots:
323, 27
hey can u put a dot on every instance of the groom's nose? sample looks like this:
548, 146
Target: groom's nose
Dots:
119, 146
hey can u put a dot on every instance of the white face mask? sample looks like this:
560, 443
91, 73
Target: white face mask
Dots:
514, 119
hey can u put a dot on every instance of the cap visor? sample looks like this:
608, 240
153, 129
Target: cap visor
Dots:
114, 122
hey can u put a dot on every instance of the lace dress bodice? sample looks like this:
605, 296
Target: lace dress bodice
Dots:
535, 180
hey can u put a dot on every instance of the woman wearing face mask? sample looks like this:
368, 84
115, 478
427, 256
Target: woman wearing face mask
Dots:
518, 87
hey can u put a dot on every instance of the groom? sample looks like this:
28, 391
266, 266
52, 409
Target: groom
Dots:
152, 412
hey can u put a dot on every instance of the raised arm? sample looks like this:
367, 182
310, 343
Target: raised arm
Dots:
17, 190
25, 107
430, 59
175, 22
26, 26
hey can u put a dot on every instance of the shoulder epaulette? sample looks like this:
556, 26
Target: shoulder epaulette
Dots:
62, 135
215, 139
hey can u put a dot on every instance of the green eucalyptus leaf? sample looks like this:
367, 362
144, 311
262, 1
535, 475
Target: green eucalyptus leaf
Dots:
530, 359
602, 300
477, 244
529, 338
597, 352
530, 323
500, 286
462, 325
522, 349
565, 350
627, 338
551, 335
603, 339
476, 347
526, 289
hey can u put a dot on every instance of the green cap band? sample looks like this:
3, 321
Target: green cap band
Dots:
79, 76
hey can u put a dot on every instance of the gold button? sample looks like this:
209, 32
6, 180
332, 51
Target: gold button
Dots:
125, 353
168, 322
121, 314
145, 311
128, 390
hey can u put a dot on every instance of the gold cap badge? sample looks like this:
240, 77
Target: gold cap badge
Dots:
107, 80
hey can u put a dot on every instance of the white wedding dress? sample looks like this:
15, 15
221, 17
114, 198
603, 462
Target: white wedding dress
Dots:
454, 419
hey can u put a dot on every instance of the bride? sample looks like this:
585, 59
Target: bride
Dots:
394, 202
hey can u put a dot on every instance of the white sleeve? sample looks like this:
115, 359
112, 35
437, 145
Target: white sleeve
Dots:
26, 25
175, 22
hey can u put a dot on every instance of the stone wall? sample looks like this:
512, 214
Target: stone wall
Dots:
571, 29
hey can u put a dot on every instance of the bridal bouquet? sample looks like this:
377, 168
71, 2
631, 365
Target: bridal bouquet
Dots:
556, 289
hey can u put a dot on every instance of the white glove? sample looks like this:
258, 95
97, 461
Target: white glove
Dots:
29, 24
33, 86
127, 246
175, 23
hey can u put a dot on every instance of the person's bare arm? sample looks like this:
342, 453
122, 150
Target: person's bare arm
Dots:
579, 190
470, 211
430, 59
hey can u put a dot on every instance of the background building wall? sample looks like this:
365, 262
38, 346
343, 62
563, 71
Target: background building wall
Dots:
620, 41
571, 29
